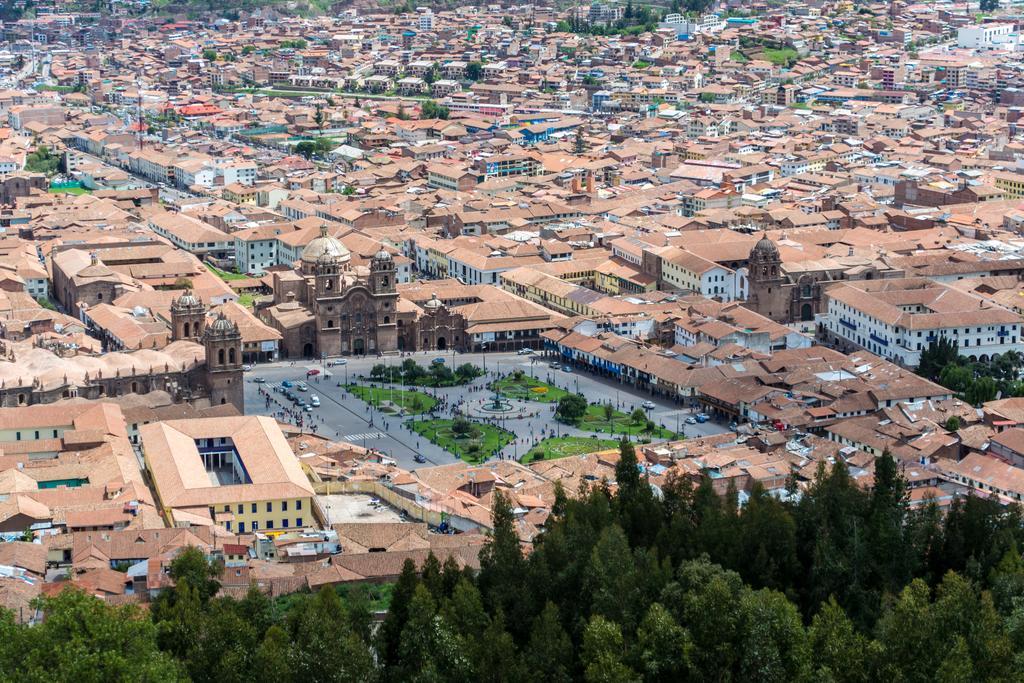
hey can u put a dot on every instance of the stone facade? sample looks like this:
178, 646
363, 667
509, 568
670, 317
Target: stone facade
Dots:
328, 308
773, 293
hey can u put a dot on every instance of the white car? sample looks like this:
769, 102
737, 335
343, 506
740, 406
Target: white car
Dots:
525, 352
314, 401
649, 405
247, 367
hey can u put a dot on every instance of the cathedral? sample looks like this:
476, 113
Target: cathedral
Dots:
773, 292
326, 307
202, 365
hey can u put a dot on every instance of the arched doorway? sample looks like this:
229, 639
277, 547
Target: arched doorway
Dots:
442, 343
806, 312
401, 343
307, 350
359, 347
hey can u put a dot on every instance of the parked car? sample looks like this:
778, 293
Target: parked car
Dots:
438, 361
314, 401
555, 365
247, 367
566, 368
337, 361
419, 458
648, 405
259, 380
287, 384
525, 352
302, 386
308, 409
691, 420
312, 373
702, 418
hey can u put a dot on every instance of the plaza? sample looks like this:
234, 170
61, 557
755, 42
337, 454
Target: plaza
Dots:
346, 417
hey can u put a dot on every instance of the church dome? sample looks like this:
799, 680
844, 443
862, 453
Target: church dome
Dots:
765, 249
223, 325
187, 300
325, 248
383, 255
433, 304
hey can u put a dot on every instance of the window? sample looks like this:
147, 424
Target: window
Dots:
284, 523
270, 506
241, 527
253, 508
255, 526
298, 505
298, 521
239, 508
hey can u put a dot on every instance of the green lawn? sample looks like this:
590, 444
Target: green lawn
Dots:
246, 300
563, 447
594, 421
377, 595
527, 387
473, 448
69, 190
224, 275
413, 402
780, 56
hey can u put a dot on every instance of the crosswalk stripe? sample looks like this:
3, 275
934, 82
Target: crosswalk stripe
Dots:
364, 435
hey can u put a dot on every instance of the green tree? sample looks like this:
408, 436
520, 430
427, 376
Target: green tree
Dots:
571, 408
83, 639
549, 654
306, 149
956, 377
210, 55
603, 653
952, 423
42, 161
462, 427
663, 647
982, 390
432, 110
638, 416
838, 652
502, 578
191, 568
474, 70
319, 118
271, 661
937, 355
579, 143
609, 412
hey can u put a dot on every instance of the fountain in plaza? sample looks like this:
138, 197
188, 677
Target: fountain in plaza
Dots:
497, 405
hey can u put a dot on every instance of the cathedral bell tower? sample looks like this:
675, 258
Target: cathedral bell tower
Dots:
223, 343
385, 293
766, 296
188, 317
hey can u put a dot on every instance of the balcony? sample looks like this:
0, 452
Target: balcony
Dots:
878, 340
847, 324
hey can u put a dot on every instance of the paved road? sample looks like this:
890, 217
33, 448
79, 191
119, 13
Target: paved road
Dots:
345, 417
